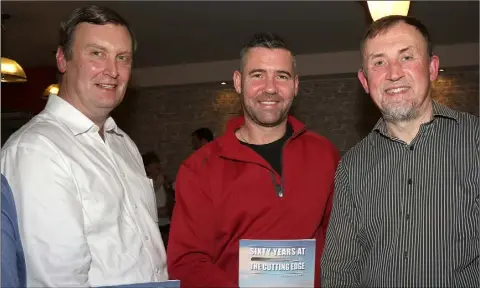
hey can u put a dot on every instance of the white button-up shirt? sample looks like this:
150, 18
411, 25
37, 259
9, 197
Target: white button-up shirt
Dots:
85, 207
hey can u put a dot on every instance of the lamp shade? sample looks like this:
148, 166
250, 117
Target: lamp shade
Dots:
380, 9
51, 90
12, 71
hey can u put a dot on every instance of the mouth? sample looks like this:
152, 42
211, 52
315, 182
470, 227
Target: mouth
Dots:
397, 90
106, 86
268, 102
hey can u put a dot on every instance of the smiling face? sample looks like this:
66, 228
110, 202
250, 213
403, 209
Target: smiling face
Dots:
398, 72
95, 78
268, 85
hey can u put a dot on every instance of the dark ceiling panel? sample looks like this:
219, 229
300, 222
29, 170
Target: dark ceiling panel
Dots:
185, 32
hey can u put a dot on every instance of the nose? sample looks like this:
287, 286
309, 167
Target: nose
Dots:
111, 68
270, 85
395, 71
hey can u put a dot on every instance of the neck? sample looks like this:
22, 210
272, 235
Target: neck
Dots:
408, 130
98, 119
253, 133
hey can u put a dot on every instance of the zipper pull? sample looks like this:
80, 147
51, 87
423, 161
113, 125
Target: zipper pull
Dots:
279, 190
278, 187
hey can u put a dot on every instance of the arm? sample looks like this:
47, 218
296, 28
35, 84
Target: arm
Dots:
321, 234
341, 256
191, 243
13, 272
50, 216
328, 207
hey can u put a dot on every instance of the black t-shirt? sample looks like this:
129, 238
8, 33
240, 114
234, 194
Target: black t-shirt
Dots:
272, 152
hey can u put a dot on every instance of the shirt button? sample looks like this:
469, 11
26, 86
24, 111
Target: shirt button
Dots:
407, 216
135, 205
411, 148
158, 271
405, 255
146, 238
410, 181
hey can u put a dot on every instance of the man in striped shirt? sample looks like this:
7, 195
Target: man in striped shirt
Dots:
406, 206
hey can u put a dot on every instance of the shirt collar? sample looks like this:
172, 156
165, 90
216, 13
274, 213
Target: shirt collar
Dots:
443, 111
73, 119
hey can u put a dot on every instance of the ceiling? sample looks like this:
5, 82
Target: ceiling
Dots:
186, 32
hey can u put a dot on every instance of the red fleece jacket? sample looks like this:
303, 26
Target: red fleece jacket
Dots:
225, 192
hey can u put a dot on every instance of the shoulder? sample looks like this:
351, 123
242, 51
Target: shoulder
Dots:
6, 191
468, 120
8, 203
320, 144
357, 153
40, 133
314, 138
203, 156
126, 138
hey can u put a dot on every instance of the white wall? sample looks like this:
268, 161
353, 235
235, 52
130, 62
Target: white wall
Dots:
308, 65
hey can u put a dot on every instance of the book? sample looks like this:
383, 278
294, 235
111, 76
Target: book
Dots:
163, 284
277, 263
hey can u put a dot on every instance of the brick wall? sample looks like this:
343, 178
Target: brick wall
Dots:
162, 118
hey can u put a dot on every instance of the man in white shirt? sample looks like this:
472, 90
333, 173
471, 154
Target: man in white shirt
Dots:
85, 207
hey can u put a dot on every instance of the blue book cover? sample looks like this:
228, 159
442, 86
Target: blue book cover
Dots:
163, 284
277, 263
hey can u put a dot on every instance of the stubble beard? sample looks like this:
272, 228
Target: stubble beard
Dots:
254, 116
400, 112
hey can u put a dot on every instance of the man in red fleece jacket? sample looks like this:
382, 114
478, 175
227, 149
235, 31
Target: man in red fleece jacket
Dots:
266, 178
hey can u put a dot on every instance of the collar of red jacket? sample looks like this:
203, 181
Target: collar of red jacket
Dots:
236, 150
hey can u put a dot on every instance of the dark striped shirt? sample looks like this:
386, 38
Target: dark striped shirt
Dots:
408, 215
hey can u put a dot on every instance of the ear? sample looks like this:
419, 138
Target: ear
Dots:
296, 85
433, 67
61, 60
237, 81
363, 80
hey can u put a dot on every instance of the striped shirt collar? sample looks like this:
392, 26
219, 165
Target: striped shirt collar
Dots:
438, 111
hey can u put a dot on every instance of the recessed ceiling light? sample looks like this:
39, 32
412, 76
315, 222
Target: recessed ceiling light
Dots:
223, 83
441, 70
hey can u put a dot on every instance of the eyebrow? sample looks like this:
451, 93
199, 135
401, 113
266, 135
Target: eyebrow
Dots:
378, 55
91, 45
263, 71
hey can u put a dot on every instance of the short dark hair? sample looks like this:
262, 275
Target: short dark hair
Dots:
90, 14
150, 158
384, 24
203, 133
265, 40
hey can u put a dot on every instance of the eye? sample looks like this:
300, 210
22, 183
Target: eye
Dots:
407, 58
283, 77
123, 58
378, 63
256, 75
96, 53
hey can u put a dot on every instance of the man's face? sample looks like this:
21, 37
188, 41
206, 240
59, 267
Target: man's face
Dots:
97, 74
398, 72
268, 85
153, 170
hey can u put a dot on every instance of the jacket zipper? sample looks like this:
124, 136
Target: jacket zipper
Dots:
281, 190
